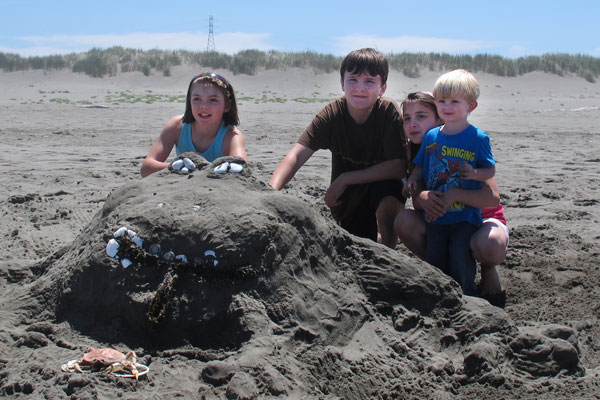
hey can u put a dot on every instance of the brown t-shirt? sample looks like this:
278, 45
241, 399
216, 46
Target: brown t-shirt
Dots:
355, 147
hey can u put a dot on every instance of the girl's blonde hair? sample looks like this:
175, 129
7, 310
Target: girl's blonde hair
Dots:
459, 82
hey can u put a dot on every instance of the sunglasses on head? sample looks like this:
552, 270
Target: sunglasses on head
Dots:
212, 75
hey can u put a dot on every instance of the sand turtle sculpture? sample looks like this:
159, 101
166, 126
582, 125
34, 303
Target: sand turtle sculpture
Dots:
272, 293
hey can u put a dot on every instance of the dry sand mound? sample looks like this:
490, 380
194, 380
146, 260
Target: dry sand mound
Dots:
295, 306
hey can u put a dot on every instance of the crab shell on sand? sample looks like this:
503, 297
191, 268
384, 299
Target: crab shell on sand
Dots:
113, 360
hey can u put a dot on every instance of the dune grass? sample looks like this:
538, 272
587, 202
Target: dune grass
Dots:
112, 61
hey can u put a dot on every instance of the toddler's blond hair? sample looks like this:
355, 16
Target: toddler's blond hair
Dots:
459, 82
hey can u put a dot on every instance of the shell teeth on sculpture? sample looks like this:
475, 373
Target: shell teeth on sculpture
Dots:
189, 164
154, 249
221, 169
185, 171
235, 167
120, 232
177, 165
112, 248
138, 240
211, 253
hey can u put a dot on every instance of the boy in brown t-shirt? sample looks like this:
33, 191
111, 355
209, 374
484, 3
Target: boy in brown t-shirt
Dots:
365, 135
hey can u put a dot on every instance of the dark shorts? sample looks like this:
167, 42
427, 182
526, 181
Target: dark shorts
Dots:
363, 221
448, 248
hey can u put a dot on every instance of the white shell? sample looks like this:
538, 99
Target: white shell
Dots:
131, 233
112, 248
189, 164
138, 240
181, 257
235, 167
221, 169
177, 165
213, 254
210, 253
196, 208
154, 249
185, 171
126, 262
160, 205
169, 256
120, 232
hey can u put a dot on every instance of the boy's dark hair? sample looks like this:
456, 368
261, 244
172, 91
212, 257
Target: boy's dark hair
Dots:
366, 60
230, 117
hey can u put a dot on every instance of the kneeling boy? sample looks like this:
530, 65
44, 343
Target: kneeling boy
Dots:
364, 133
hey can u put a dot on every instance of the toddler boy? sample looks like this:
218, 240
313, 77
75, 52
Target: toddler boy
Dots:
454, 155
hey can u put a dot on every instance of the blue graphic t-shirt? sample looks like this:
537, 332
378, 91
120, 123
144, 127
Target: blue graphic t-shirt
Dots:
441, 155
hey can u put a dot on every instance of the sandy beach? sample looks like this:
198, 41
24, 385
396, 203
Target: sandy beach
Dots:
319, 313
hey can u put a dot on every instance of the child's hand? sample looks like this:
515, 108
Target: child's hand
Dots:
415, 180
411, 185
449, 197
430, 218
335, 190
433, 204
466, 171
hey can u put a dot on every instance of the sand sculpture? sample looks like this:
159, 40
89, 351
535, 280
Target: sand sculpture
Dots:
263, 295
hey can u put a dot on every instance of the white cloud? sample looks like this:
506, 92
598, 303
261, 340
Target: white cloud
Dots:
36, 50
413, 44
516, 51
235, 41
596, 52
230, 43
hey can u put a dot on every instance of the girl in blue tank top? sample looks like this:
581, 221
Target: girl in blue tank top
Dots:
208, 126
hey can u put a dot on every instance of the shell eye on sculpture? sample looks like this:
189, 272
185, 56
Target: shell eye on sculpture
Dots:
228, 167
183, 165
221, 169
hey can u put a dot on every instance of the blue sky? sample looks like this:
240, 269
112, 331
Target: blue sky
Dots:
505, 27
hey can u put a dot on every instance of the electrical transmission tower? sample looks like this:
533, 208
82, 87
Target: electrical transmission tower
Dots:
211, 36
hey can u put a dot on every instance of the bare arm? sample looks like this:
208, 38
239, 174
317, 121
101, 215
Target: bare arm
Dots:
435, 203
290, 164
233, 144
160, 150
391, 169
414, 180
477, 174
486, 197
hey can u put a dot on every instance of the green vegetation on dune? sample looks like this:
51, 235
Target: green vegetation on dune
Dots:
114, 60
148, 98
